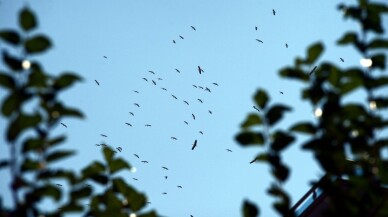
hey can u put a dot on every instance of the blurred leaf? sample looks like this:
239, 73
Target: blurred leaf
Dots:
56, 141
57, 174
374, 83
275, 113
304, 127
37, 44
378, 61
100, 178
21, 123
80, 193
7, 81
350, 85
12, 62
92, 169
37, 78
381, 102
261, 98
27, 19
250, 209
4, 163
294, 74
10, 36
36, 144
148, 214
58, 155
29, 164
117, 165
250, 138
252, 120
13, 102
108, 154
350, 37
281, 172
72, 206
378, 44
49, 191
135, 200
281, 140
313, 52
65, 80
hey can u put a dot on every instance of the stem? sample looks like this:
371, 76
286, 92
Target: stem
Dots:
14, 172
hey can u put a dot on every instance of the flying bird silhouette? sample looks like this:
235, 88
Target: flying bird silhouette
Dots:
174, 96
64, 125
274, 12
103, 135
160, 79
179, 186
174, 138
181, 37
131, 113
342, 59
98, 83
105, 57
312, 71
145, 79
186, 122
135, 179
136, 156
147, 125
210, 112
195, 86
256, 28
280, 92
193, 28
129, 124
200, 87
256, 108
119, 149
201, 132
193, 116
215, 84
229, 150
200, 70
164, 193
144, 161
136, 104
252, 161
152, 72
154, 82
259, 40
164, 89
286, 45
165, 168
200, 100
165, 177
177, 70
98, 144
186, 102
173, 41
194, 145
136, 91
207, 89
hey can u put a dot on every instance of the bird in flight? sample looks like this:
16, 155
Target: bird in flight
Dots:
98, 83
136, 104
98, 144
200, 70
103, 135
129, 124
144, 161
177, 70
193, 28
165, 177
105, 57
342, 59
174, 96
274, 12
136, 91
165, 168
136, 156
181, 37
147, 125
174, 138
259, 40
152, 72
179, 186
194, 145
145, 79
256, 28
173, 41
229, 150
256, 108
215, 84
200, 87
210, 112
154, 82
64, 125
252, 161
135, 179
119, 149
186, 122
207, 89
286, 45
280, 92
201, 132
186, 102
193, 116
195, 86
160, 79
164, 89
315, 67
164, 193
200, 100
132, 113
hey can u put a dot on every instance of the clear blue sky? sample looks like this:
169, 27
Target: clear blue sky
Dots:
136, 36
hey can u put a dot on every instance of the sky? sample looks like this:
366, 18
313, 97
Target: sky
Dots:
137, 37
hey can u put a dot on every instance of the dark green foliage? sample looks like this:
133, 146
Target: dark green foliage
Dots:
249, 209
342, 125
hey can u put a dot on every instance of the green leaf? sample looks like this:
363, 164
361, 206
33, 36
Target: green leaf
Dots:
71, 207
65, 80
148, 214
12, 62
100, 178
250, 209
30, 144
313, 52
57, 174
80, 193
37, 78
10, 36
58, 155
117, 165
49, 191
27, 19
135, 200
294, 74
30, 165
21, 123
381, 102
7, 81
350, 85
275, 113
108, 154
261, 98
378, 61
281, 140
13, 102
304, 127
252, 120
348, 38
37, 44
378, 44
250, 138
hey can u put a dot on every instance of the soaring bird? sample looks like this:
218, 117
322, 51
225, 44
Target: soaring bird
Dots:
286, 45
177, 70
165, 168
194, 145
195, 86
152, 72
207, 89
147, 125
135, 179
160, 79
105, 57
164, 193
181, 37
274, 12
103, 135
97, 82
256, 108
164, 89
174, 96
193, 116
136, 91
145, 79
173, 41
210, 112
136, 156
119, 149
200, 100
215, 84
129, 124
342, 59
144, 161
193, 28
186, 102
252, 161
98, 144
229, 150
132, 113
200, 70
165, 177
256, 28
63, 125
174, 138
259, 40
315, 67
200, 87
280, 92
136, 104
201, 132
186, 122
179, 186
154, 82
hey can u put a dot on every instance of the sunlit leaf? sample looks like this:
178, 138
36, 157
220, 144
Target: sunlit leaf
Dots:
58, 155
313, 52
117, 165
27, 19
37, 44
250, 138
252, 120
10, 36
304, 127
250, 209
275, 113
261, 98
65, 80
